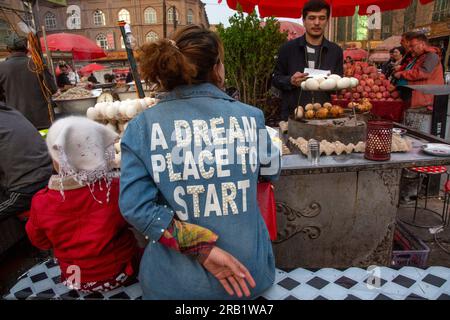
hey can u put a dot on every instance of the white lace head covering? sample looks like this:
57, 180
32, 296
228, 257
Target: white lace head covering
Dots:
83, 149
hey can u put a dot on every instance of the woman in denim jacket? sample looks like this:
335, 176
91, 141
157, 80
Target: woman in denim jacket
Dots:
190, 167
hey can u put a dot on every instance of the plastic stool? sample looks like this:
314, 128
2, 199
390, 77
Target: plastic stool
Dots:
427, 172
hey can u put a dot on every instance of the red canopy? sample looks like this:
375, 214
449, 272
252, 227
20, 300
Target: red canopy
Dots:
293, 29
81, 47
293, 8
355, 53
91, 68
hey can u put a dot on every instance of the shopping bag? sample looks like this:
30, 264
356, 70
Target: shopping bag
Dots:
266, 203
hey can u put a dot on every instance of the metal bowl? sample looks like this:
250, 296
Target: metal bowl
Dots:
75, 106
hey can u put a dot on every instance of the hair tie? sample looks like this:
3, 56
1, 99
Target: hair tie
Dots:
174, 44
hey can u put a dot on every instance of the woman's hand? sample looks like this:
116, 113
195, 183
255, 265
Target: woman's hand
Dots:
232, 274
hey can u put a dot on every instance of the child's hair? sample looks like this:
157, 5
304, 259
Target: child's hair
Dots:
187, 58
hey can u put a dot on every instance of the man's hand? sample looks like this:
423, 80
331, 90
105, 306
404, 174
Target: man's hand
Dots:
229, 271
397, 68
298, 78
397, 75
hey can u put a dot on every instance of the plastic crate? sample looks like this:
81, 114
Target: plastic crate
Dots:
407, 249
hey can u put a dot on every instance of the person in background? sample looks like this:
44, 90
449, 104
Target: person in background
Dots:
309, 51
73, 76
62, 79
109, 78
349, 67
20, 86
92, 79
426, 70
387, 64
77, 214
397, 57
406, 63
25, 165
129, 76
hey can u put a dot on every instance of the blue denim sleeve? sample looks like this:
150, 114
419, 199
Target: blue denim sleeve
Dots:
269, 154
138, 191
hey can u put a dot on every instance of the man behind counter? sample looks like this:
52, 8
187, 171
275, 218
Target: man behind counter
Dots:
309, 51
62, 79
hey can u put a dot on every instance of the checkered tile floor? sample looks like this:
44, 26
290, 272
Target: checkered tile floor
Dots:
43, 282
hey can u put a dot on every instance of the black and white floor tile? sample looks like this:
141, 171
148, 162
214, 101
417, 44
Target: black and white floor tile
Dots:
383, 283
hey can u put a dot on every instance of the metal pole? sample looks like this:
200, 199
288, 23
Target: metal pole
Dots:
131, 60
164, 19
49, 56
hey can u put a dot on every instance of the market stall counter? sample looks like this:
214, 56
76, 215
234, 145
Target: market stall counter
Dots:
342, 212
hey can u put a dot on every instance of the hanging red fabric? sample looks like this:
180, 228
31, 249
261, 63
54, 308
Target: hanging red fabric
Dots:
267, 206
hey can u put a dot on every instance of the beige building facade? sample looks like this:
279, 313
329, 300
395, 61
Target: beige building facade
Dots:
97, 19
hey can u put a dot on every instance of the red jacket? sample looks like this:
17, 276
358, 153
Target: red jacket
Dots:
83, 232
418, 76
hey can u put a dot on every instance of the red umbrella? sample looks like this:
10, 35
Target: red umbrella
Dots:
293, 8
91, 68
355, 53
81, 47
293, 29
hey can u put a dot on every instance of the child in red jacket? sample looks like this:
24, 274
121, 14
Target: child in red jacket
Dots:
77, 214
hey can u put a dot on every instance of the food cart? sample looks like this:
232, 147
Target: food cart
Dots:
342, 212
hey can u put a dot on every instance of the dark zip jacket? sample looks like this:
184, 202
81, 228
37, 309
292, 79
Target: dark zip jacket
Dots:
293, 57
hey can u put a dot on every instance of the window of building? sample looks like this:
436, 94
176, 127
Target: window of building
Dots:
99, 18
151, 36
190, 17
124, 15
150, 16
386, 25
5, 32
441, 10
28, 18
50, 21
410, 16
102, 41
349, 35
170, 15
122, 43
341, 29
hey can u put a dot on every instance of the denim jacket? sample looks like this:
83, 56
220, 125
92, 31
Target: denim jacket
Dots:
197, 155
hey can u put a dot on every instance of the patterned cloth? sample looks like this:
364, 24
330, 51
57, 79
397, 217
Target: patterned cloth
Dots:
189, 239
96, 286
